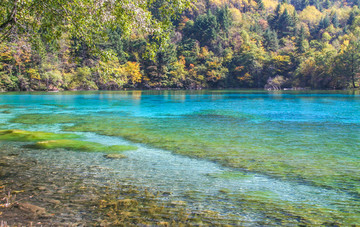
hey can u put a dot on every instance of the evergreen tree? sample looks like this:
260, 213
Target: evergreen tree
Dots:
224, 19
274, 19
304, 4
327, 4
261, 5
271, 42
285, 24
324, 22
300, 48
206, 28
335, 20
351, 19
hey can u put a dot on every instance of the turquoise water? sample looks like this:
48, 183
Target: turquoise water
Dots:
253, 155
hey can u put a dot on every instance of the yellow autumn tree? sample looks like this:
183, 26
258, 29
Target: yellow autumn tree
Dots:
132, 73
310, 15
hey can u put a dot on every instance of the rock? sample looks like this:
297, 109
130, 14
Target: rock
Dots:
181, 203
127, 202
33, 209
114, 156
163, 223
53, 201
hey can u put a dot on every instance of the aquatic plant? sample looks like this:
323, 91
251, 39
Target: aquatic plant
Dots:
6, 106
129, 205
231, 175
55, 105
79, 145
301, 152
280, 212
299, 162
29, 136
45, 119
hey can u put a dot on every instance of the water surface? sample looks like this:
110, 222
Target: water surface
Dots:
253, 155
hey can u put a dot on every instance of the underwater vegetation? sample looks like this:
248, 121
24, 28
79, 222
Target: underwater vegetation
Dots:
317, 164
271, 210
294, 151
6, 107
45, 119
279, 212
307, 154
78, 145
231, 175
129, 205
46, 140
55, 105
30, 136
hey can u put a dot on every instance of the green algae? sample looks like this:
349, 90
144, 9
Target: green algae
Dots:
231, 175
46, 119
5, 112
129, 206
280, 212
30, 136
55, 105
6, 106
296, 164
312, 157
228, 114
308, 160
234, 150
78, 145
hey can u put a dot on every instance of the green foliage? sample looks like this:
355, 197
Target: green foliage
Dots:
206, 28
348, 61
109, 47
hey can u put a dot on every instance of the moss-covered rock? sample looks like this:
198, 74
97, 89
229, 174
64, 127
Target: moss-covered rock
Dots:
78, 145
29, 136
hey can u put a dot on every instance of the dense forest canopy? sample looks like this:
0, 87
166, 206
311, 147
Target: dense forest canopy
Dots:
109, 44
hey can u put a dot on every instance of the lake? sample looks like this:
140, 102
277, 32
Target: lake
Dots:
251, 157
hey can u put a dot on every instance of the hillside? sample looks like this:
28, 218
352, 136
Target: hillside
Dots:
212, 44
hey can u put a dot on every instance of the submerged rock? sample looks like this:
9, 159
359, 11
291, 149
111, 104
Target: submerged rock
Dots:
127, 202
115, 156
33, 209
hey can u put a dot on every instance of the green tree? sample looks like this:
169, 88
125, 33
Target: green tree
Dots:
206, 28
85, 19
348, 61
271, 42
335, 20
301, 41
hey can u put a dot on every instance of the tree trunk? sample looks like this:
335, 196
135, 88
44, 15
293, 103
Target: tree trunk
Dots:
353, 80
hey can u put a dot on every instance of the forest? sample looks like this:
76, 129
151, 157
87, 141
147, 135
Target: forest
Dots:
289, 44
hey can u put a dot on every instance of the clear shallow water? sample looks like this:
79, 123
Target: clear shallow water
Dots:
293, 150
